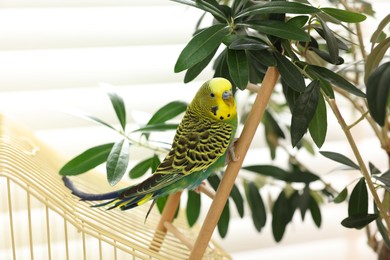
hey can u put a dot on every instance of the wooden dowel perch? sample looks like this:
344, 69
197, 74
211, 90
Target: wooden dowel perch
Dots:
241, 148
167, 216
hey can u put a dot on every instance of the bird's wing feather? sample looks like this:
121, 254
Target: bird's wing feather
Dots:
198, 143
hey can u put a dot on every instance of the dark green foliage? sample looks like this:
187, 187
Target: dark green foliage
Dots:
87, 160
282, 214
244, 39
273, 132
304, 109
290, 73
142, 167
117, 161
378, 86
319, 124
238, 68
341, 196
336, 79
340, 158
119, 107
193, 207
358, 216
256, 205
201, 46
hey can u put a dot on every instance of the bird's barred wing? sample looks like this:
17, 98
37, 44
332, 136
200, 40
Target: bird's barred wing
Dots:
152, 185
196, 146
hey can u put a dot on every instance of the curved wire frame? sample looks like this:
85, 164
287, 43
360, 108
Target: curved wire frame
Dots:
42, 220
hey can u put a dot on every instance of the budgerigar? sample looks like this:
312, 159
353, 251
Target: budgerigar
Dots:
201, 145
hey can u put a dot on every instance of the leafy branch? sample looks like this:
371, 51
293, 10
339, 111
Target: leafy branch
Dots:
309, 46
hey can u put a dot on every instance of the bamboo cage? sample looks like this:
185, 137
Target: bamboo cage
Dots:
40, 219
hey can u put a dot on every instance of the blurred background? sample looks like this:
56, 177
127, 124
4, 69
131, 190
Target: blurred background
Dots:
55, 53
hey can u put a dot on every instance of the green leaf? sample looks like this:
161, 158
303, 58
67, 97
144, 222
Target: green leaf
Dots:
168, 112
303, 112
272, 132
87, 160
278, 29
195, 70
248, 43
142, 167
336, 79
373, 169
223, 222
319, 123
269, 170
290, 94
281, 213
381, 228
215, 11
161, 201
118, 104
359, 221
213, 8
378, 93
238, 200
358, 201
331, 42
193, 207
340, 159
315, 211
384, 178
263, 57
256, 205
304, 201
379, 30
341, 45
214, 181
341, 196
280, 7
92, 119
375, 57
302, 177
298, 21
238, 68
117, 161
327, 88
290, 73
156, 127
326, 56
343, 15
200, 46
221, 67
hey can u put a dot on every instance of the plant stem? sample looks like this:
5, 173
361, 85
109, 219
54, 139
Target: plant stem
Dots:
363, 167
361, 109
359, 33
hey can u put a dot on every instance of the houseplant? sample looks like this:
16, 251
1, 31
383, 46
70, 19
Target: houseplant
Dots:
306, 44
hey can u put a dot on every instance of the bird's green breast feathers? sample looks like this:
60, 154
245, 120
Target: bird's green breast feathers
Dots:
206, 130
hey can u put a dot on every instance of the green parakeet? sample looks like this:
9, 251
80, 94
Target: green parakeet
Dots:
200, 147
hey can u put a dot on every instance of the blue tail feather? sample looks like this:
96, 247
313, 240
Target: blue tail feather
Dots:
88, 196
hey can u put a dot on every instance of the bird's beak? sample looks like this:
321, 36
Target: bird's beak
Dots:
227, 96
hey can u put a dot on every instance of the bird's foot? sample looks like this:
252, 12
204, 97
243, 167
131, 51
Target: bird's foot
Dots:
231, 156
199, 188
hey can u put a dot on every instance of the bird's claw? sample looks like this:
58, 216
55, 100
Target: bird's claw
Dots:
231, 156
198, 189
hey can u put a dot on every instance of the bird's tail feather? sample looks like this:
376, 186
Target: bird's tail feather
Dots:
88, 196
115, 200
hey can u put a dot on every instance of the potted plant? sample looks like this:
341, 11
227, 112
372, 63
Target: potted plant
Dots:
320, 55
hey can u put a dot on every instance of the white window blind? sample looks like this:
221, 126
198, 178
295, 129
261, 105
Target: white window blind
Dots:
54, 54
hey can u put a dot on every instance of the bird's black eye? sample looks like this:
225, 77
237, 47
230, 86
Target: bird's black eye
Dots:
212, 95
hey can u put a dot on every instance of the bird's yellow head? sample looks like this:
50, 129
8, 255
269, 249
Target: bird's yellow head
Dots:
215, 99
